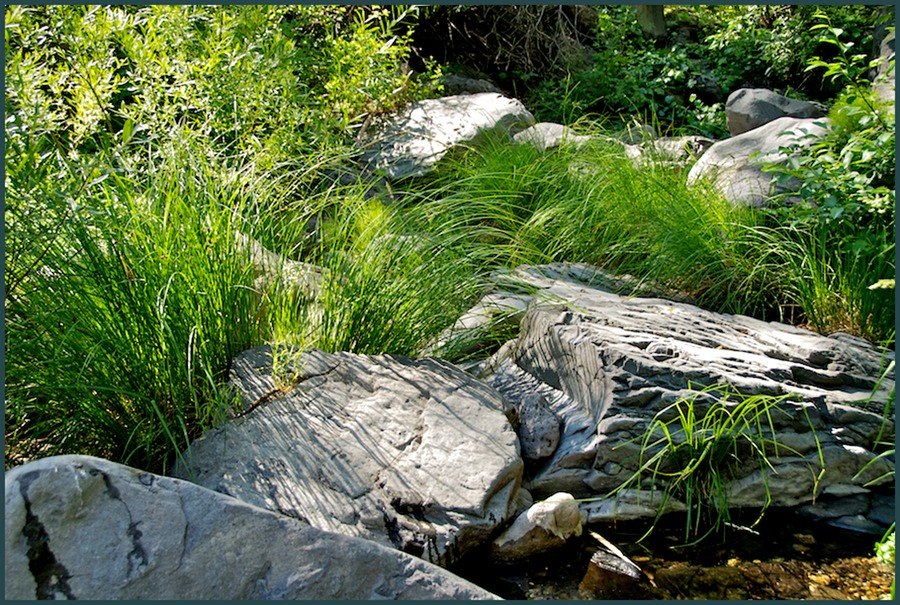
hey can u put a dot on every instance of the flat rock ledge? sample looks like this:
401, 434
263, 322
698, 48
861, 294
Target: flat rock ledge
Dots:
415, 454
79, 527
607, 365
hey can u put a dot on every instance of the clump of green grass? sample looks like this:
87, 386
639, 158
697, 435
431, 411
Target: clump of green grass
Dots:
832, 284
589, 203
120, 335
122, 326
387, 287
693, 448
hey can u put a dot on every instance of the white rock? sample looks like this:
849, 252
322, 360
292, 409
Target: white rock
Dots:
544, 526
734, 165
410, 142
546, 135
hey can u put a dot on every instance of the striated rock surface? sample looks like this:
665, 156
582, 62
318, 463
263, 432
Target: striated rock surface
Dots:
79, 527
607, 365
410, 453
410, 142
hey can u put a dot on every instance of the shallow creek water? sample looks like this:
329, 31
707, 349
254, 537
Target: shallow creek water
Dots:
789, 557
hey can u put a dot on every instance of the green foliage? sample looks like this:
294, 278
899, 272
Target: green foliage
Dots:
121, 329
629, 75
710, 52
141, 140
276, 79
589, 203
845, 221
367, 66
693, 448
830, 283
885, 552
387, 288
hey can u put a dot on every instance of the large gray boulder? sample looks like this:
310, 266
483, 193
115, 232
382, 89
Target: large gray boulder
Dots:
749, 108
410, 453
410, 142
734, 165
607, 365
79, 527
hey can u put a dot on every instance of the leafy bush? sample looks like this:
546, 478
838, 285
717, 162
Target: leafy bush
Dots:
683, 82
279, 79
845, 223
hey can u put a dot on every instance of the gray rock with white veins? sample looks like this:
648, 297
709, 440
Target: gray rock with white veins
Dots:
79, 527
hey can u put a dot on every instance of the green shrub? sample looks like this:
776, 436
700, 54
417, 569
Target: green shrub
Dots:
632, 74
276, 79
841, 236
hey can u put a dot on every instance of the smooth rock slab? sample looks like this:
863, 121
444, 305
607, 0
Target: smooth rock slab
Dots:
79, 527
749, 108
734, 165
411, 453
607, 365
410, 142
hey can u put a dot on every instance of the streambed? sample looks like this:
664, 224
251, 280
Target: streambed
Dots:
787, 557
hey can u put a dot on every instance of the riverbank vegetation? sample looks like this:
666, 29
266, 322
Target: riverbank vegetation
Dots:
141, 140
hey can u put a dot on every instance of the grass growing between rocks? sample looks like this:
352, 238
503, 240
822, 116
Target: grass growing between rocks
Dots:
126, 306
141, 141
836, 288
386, 287
589, 203
693, 448
121, 324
